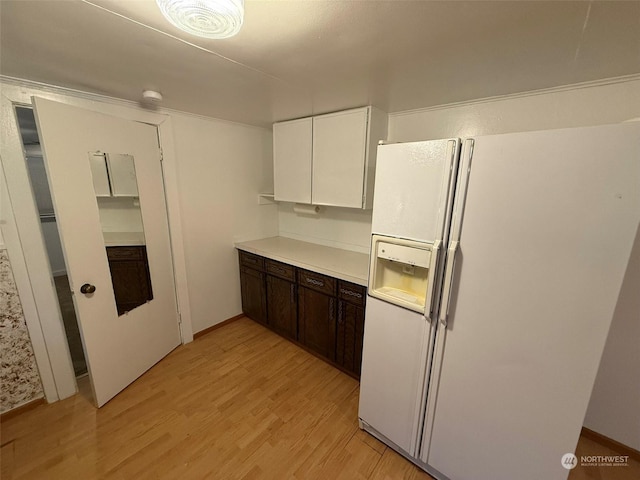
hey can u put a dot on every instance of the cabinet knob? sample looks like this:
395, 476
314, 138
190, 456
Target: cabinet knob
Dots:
87, 288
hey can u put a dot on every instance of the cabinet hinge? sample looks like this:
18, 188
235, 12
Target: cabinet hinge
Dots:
179, 318
161, 154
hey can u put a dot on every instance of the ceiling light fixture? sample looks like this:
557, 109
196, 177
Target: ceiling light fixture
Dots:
205, 18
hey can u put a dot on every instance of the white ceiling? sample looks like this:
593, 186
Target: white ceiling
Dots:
297, 58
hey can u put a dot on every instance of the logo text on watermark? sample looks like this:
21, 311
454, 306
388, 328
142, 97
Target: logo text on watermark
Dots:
570, 461
604, 460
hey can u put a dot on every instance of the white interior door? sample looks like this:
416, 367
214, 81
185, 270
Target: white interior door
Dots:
549, 223
118, 348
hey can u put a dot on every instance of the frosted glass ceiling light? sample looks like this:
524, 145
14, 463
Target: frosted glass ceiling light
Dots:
205, 18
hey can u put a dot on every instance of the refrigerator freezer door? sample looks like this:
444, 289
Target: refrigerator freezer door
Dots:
549, 223
395, 355
413, 189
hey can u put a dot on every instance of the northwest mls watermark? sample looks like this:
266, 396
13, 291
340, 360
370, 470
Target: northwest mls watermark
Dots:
570, 461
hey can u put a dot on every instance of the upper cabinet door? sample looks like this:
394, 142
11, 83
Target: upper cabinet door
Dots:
339, 158
99, 175
122, 175
292, 160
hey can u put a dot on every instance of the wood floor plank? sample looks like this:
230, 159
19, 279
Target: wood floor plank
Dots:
393, 466
239, 403
371, 441
354, 462
7, 465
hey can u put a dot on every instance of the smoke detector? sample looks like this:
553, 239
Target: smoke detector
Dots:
151, 96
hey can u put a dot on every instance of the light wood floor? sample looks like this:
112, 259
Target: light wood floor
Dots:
238, 403
588, 447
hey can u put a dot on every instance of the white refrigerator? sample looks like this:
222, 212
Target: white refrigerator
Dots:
495, 271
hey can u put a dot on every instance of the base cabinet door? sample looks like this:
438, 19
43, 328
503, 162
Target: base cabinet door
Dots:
349, 335
282, 307
350, 329
254, 294
130, 276
318, 322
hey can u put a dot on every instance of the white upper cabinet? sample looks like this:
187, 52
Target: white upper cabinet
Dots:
99, 175
339, 153
113, 174
122, 174
338, 169
292, 160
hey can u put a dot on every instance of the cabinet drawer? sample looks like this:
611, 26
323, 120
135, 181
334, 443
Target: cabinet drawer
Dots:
126, 253
282, 270
252, 272
352, 293
252, 261
316, 281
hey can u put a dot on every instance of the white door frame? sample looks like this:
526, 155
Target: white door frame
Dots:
26, 245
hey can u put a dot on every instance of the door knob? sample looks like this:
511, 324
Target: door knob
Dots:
87, 288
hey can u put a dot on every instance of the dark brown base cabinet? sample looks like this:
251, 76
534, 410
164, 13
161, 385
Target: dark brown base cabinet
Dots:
323, 314
253, 288
254, 294
318, 322
350, 332
130, 276
282, 307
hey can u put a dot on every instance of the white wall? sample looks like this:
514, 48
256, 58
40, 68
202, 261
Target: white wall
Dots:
120, 214
345, 228
222, 168
613, 410
585, 105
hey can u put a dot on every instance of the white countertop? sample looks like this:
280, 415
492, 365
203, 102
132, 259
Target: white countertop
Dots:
122, 239
335, 262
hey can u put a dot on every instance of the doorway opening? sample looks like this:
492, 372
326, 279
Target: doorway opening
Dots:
49, 228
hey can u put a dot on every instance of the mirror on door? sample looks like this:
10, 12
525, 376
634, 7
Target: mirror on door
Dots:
116, 188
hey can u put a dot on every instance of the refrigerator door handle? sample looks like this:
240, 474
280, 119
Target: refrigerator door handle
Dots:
448, 280
433, 265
